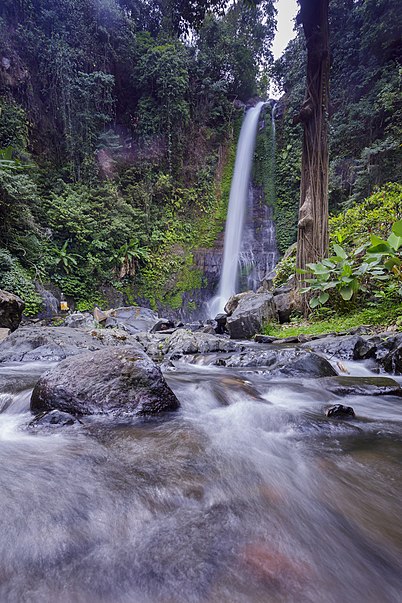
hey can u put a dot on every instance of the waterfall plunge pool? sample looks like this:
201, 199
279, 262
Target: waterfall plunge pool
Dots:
247, 494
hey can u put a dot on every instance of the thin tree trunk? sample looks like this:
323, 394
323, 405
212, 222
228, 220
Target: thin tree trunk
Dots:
312, 235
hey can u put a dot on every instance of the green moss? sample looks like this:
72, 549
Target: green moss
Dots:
382, 315
264, 162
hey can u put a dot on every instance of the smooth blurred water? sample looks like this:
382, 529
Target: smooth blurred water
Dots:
247, 494
236, 209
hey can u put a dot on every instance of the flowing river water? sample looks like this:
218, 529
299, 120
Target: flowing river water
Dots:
247, 494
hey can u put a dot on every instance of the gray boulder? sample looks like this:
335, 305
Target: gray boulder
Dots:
338, 346
132, 319
80, 320
182, 342
286, 301
52, 344
385, 349
163, 324
11, 309
361, 386
290, 362
186, 342
234, 301
117, 382
250, 314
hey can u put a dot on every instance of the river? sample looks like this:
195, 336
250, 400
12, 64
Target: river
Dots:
247, 494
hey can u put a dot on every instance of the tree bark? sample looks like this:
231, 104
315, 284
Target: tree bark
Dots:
312, 234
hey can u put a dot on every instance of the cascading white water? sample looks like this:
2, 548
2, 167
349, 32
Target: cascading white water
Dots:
236, 210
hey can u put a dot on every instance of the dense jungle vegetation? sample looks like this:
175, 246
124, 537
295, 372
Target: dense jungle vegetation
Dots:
118, 124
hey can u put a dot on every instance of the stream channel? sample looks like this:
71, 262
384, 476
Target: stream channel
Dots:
247, 494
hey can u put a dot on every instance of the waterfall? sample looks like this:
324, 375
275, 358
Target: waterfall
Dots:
236, 210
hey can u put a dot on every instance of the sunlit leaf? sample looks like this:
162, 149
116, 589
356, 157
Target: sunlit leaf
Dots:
346, 293
397, 228
340, 252
314, 302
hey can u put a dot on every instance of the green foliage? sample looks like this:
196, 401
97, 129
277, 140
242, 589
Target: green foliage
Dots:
264, 161
13, 126
381, 316
358, 269
347, 275
285, 268
374, 214
17, 280
132, 132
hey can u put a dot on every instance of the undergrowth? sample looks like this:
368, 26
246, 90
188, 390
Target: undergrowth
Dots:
381, 316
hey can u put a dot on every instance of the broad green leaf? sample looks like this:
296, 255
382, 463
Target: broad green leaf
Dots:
314, 302
397, 228
328, 263
346, 293
394, 241
391, 262
340, 252
380, 248
360, 249
323, 298
329, 285
376, 240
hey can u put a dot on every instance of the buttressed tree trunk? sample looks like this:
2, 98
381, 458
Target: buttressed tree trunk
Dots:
312, 234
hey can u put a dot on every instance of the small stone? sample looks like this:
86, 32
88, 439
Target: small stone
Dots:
339, 411
54, 418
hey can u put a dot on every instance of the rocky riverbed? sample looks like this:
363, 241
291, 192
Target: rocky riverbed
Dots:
175, 464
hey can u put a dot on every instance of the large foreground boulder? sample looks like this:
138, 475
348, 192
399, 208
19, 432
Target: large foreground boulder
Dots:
251, 311
52, 344
11, 309
117, 382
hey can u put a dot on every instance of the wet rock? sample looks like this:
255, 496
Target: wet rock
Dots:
116, 382
52, 344
163, 324
4, 333
80, 320
250, 314
307, 364
220, 320
365, 348
291, 362
392, 363
264, 338
209, 329
185, 342
362, 386
50, 303
234, 301
339, 411
132, 319
11, 309
54, 418
385, 349
101, 315
340, 346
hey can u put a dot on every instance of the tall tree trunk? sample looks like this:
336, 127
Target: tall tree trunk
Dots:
312, 234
